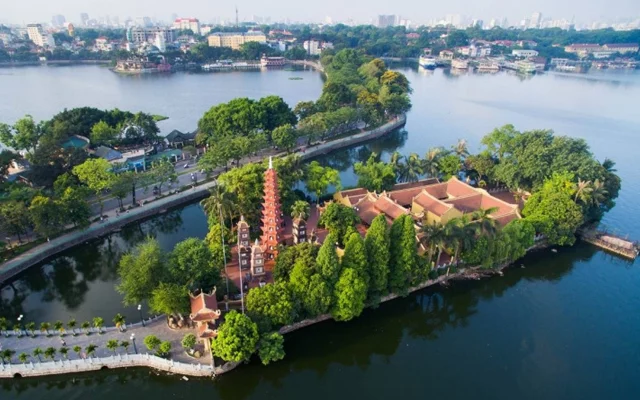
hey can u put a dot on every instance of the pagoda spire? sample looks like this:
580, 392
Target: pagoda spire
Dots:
272, 231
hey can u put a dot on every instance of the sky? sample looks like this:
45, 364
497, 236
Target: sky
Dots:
362, 11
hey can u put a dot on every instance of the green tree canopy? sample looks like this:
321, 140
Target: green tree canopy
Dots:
337, 218
141, 271
191, 264
271, 348
375, 175
350, 295
170, 299
377, 244
237, 338
272, 301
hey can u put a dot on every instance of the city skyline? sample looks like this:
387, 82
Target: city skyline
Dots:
357, 11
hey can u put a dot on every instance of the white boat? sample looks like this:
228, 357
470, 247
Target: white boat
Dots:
459, 64
526, 67
428, 62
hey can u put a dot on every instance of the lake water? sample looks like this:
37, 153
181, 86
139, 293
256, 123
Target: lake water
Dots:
565, 326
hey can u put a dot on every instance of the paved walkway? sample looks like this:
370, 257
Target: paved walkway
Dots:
159, 328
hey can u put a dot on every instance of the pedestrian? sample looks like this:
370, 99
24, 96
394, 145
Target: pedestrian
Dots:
63, 342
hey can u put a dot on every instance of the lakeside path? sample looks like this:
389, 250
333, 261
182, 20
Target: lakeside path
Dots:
116, 221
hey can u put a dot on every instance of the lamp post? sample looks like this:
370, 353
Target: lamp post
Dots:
20, 319
133, 340
140, 311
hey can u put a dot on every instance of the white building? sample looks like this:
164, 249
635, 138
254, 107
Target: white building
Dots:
39, 37
188, 24
103, 44
474, 51
536, 19
315, 47
524, 53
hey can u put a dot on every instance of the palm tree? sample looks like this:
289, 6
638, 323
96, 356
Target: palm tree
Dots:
44, 328
411, 169
77, 350
98, 322
396, 161
430, 162
37, 352
219, 204
112, 345
119, 321
23, 357
482, 221
31, 327
300, 209
598, 193
72, 325
91, 349
458, 235
17, 328
461, 148
125, 345
432, 238
583, 191
64, 351
85, 327
59, 326
6, 355
50, 352
3, 324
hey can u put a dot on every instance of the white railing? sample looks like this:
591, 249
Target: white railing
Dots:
51, 332
94, 364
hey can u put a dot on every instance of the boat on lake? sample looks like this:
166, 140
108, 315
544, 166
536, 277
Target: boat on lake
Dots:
526, 67
488, 66
428, 62
459, 64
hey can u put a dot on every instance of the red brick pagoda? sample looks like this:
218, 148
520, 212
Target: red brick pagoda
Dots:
272, 218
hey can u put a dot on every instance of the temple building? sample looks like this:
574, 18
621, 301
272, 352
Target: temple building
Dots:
244, 244
257, 259
204, 314
272, 217
299, 230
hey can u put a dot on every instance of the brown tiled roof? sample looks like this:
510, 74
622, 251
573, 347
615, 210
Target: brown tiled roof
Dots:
204, 307
408, 185
505, 219
404, 197
467, 204
365, 209
455, 188
389, 207
207, 331
439, 191
427, 201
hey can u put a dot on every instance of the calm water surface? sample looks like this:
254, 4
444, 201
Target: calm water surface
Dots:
563, 327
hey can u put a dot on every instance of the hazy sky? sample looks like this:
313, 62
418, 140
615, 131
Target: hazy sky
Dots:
26, 11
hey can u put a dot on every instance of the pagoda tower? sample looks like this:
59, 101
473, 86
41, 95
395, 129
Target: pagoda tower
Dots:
271, 214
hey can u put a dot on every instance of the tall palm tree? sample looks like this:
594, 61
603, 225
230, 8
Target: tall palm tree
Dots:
91, 349
461, 148
85, 327
31, 327
72, 325
598, 193
37, 352
430, 162
396, 162
119, 321
112, 345
412, 169
482, 221
583, 191
220, 204
59, 326
6, 355
125, 345
4, 324
77, 350
44, 328
64, 351
433, 238
459, 235
300, 209
23, 357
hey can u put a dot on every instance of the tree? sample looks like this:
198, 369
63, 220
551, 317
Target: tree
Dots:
119, 321
46, 216
112, 345
7, 355
327, 262
103, 134
304, 109
375, 175
237, 338
430, 163
37, 352
412, 169
125, 345
23, 357
394, 100
72, 325
162, 171
59, 326
23, 135
216, 240
271, 348
377, 244
553, 212
85, 327
96, 174
402, 259
77, 350
433, 236
98, 323
450, 165
164, 349
350, 295
140, 271
191, 264
300, 209
304, 253
152, 342
285, 137
31, 327
457, 38
355, 256
44, 328
318, 178
90, 350
50, 352
276, 113
15, 218
272, 301
75, 208
337, 218
189, 341
170, 299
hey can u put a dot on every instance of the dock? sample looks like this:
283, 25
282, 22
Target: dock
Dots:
612, 243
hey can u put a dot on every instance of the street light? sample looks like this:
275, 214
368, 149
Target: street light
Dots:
133, 340
140, 310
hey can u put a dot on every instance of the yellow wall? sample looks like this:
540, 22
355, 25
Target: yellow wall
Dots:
234, 41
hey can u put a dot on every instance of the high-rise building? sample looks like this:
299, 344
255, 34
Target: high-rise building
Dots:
84, 18
386, 20
187, 24
160, 43
536, 19
39, 37
477, 23
271, 214
58, 20
140, 35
